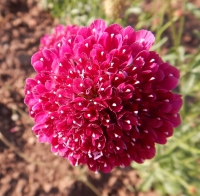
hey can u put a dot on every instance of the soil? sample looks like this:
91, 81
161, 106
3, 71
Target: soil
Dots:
40, 172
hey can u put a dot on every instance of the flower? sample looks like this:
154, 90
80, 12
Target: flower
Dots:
48, 41
101, 98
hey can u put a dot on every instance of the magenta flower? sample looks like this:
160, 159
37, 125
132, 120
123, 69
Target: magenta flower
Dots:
101, 98
48, 41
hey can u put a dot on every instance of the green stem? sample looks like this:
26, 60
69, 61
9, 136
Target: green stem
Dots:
173, 30
29, 160
90, 185
20, 154
182, 21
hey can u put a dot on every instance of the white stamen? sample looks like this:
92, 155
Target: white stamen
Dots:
95, 102
88, 115
112, 35
86, 45
137, 82
81, 84
126, 37
38, 82
134, 68
97, 155
59, 95
141, 40
28, 92
118, 148
52, 117
55, 77
152, 78
150, 96
69, 40
61, 111
102, 89
145, 110
93, 135
116, 135
39, 100
128, 90
137, 129
152, 60
80, 60
71, 154
102, 53
111, 64
128, 121
114, 104
89, 155
116, 78
76, 164
138, 99
99, 145
79, 103
59, 45
107, 121
60, 64
145, 131
46, 126
123, 51
136, 112
167, 100
93, 29
41, 59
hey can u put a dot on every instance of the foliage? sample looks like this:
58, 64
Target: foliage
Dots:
74, 11
175, 169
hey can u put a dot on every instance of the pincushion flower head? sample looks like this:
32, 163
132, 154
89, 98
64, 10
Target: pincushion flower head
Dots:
101, 98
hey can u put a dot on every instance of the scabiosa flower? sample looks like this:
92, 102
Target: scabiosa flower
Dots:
48, 41
101, 98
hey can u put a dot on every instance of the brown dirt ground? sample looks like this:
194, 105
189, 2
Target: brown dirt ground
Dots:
22, 23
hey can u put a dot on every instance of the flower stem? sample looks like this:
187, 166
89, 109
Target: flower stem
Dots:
90, 185
19, 153
29, 160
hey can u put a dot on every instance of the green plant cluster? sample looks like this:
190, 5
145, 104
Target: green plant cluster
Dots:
74, 11
176, 168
